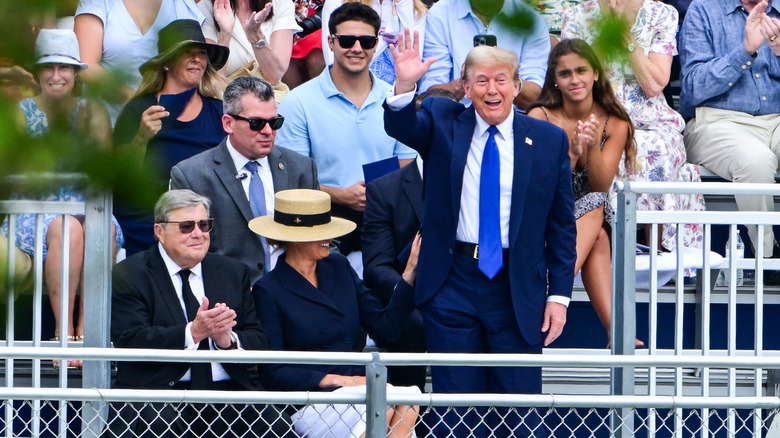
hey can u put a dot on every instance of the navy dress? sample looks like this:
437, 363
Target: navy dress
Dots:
176, 141
299, 317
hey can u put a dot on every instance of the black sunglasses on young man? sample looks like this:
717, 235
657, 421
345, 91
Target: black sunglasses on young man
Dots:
348, 41
186, 227
258, 124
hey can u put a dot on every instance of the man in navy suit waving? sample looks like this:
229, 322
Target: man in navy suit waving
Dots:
498, 232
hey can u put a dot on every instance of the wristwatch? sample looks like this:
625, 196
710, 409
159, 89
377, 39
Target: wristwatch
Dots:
259, 44
233, 343
631, 47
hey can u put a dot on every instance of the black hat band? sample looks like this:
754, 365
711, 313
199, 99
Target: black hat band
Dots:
301, 220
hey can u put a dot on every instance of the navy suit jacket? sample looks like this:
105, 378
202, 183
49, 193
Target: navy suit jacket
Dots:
394, 205
146, 313
297, 316
213, 175
542, 230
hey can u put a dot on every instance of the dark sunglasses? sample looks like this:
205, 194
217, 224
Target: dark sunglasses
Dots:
186, 227
348, 41
258, 123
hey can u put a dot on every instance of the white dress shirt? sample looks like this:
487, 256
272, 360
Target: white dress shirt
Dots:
264, 170
196, 284
468, 217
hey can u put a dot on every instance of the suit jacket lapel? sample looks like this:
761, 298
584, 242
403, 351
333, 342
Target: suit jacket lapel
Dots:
524, 155
463, 131
294, 283
412, 187
278, 171
225, 170
165, 284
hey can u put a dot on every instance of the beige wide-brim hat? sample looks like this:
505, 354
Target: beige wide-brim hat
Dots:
301, 215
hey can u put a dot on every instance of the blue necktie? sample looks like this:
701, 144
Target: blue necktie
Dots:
257, 202
490, 251
256, 190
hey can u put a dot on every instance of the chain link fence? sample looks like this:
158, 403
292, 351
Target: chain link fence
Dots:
187, 419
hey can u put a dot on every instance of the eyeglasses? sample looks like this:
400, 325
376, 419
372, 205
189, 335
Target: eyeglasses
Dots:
186, 227
348, 41
258, 124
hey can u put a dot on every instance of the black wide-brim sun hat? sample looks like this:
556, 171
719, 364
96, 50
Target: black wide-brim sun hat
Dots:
180, 34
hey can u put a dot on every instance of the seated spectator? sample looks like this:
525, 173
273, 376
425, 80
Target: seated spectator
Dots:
729, 92
314, 301
176, 295
58, 107
259, 34
244, 171
336, 118
395, 15
452, 25
394, 204
116, 37
306, 61
578, 97
638, 80
175, 114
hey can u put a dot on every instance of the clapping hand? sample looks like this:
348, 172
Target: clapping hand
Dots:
753, 28
252, 25
770, 29
585, 136
409, 67
224, 16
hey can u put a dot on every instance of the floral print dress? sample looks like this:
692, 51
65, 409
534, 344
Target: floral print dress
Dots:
658, 128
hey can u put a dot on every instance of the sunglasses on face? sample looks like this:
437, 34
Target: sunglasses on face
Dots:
348, 41
186, 227
258, 124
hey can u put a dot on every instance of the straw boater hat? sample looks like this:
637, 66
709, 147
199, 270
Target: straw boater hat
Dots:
301, 215
58, 46
181, 33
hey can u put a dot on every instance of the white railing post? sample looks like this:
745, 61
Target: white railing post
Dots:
98, 260
376, 398
623, 329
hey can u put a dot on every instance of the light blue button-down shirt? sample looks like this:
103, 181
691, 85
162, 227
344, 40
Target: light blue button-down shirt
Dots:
449, 35
717, 71
321, 123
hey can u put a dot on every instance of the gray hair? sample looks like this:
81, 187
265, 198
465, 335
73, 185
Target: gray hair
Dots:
174, 199
241, 86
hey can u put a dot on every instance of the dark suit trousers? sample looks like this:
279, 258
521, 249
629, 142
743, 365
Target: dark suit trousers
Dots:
474, 314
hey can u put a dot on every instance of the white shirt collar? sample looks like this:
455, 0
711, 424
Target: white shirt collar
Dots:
173, 268
504, 128
240, 161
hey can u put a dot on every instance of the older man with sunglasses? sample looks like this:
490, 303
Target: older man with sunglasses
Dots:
336, 118
175, 296
244, 171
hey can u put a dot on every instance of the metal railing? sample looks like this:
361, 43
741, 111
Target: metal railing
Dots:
88, 411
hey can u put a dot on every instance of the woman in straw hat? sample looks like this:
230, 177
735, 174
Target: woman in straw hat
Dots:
175, 114
56, 109
314, 301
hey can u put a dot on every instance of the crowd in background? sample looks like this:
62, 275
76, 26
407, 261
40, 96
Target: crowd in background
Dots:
174, 59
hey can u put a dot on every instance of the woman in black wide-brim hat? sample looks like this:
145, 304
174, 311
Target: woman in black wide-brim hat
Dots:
175, 114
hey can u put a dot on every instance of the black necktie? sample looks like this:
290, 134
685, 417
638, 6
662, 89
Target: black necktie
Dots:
201, 372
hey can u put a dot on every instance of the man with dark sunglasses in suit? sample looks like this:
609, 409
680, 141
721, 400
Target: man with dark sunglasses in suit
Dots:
225, 173
176, 295
336, 118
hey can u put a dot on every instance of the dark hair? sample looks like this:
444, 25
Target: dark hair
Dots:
352, 11
78, 85
254, 5
241, 87
603, 95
